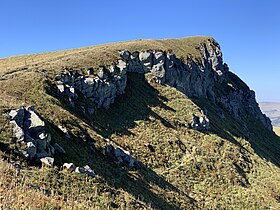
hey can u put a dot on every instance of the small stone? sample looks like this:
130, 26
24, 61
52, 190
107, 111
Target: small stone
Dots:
48, 161
85, 170
69, 166
89, 171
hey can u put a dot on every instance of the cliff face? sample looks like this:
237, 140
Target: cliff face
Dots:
208, 78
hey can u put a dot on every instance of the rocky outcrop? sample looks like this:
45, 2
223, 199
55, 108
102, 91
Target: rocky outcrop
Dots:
81, 170
121, 156
195, 79
201, 123
243, 102
207, 78
100, 87
29, 130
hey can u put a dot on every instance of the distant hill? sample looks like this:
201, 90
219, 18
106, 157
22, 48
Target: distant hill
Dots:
272, 110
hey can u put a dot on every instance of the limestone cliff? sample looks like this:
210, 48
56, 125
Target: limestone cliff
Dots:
208, 78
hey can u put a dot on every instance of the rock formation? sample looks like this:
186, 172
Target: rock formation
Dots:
30, 131
121, 156
101, 88
208, 78
81, 170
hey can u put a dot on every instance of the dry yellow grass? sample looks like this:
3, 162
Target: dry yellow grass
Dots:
98, 55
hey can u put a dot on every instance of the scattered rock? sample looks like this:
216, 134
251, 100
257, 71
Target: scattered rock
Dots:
85, 170
81, 170
121, 156
48, 161
201, 123
69, 166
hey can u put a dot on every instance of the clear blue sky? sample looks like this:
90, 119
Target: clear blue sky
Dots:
247, 30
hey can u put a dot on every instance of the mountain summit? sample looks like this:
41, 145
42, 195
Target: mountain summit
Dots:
144, 124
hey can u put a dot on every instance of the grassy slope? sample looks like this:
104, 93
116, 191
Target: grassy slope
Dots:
205, 170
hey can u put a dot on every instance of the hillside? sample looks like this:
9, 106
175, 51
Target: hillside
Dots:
164, 124
272, 110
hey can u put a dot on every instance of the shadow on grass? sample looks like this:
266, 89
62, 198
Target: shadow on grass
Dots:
265, 143
134, 105
81, 152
